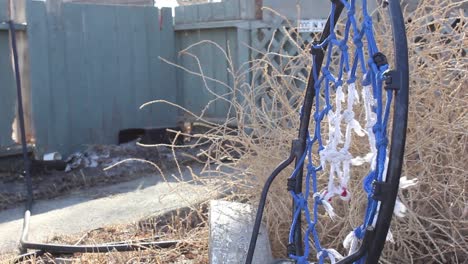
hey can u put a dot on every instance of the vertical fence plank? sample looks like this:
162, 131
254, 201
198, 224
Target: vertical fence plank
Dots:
191, 14
179, 15
140, 79
115, 115
220, 65
243, 56
214, 65
209, 58
3, 10
95, 45
204, 13
124, 51
247, 9
153, 27
192, 85
218, 11
78, 99
232, 9
60, 118
8, 95
107, 74
167, 85
38, 43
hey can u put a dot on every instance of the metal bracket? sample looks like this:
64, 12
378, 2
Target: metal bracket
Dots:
4, 26
380, 59
295, 151
291, 184
292, 249
392, 80
315, 51
383, 3
381, 191
296, 147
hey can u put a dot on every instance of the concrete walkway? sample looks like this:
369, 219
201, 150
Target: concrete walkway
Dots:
93, 208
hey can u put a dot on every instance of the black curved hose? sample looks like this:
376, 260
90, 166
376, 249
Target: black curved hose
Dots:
54, 248
261, 207
67, 249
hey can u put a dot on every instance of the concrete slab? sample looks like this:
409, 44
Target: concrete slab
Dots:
231, 226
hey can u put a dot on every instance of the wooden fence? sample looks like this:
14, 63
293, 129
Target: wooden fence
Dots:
92, 67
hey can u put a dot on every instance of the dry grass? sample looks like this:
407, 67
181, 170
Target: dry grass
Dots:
435, 229
187, 225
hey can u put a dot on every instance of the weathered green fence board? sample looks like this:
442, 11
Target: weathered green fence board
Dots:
3, 10
218, 70
166, 80
59, 99
7, 91
232, 10
192, 88
124, 43
78, 98
222, 11
141, 70
197, 92
39, 63
218, 11
204, 12
92, 67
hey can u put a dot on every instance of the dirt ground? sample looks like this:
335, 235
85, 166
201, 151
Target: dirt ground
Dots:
86, 169
187, 225
88, 204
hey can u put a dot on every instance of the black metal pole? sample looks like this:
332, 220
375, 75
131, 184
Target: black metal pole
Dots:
27, 162
305, 118
298, 146
397, 148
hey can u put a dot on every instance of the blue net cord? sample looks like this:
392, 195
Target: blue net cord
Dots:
311, 199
